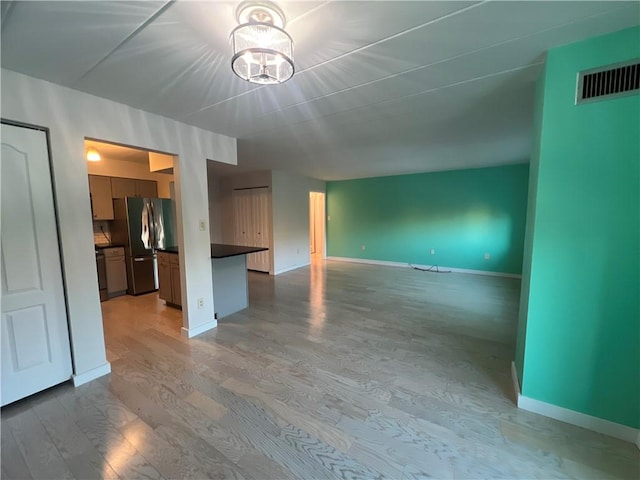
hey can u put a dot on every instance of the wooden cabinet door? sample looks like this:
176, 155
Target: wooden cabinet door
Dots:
146, 189
175, 284
123, 187
101, 200
164, 282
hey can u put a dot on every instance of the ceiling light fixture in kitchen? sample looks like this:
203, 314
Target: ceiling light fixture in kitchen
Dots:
93, 155
262, 50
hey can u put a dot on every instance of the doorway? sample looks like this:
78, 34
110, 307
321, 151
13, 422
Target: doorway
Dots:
317, 225
133, 203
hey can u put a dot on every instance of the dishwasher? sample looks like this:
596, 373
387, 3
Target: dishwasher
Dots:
101, 265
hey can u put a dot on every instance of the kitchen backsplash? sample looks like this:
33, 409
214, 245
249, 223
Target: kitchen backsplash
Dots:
100, 238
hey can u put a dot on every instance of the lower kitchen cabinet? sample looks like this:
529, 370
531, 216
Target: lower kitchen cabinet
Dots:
169, 278
116, 271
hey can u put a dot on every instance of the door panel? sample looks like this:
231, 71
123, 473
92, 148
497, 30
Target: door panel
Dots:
35, 341
143, 275
123, 187
146, 188
116, 274
252, 225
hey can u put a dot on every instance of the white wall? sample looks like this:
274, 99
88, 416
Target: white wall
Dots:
290, 197
121, 168
70, 116
215, 208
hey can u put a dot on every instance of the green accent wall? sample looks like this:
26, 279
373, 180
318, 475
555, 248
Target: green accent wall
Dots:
462, 214
582, 318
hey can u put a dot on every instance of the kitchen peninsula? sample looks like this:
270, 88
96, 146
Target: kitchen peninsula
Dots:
230, 283
229, 275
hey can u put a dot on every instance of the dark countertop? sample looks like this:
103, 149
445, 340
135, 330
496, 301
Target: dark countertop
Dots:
221, 250
168, 249
102, 246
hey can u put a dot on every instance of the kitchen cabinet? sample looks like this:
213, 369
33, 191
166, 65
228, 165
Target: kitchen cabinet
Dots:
116, 271
169, 278
123, 187
131, 187
176, 292
146, 188
101, 200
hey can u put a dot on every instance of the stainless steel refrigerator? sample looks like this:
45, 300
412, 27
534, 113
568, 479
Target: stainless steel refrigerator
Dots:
142, 225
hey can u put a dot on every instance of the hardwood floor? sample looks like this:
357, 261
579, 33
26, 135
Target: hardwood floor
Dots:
336, 370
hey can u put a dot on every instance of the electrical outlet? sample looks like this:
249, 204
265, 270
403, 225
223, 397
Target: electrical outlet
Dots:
328, 217
203, 225
432, 251
364, 247
487, 256
200, 303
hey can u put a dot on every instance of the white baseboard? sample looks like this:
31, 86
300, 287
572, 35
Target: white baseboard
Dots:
288, 269
572, 417
92, 374
192, 332
425, 267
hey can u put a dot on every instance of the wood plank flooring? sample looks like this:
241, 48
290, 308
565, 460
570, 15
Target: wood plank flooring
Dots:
336, 370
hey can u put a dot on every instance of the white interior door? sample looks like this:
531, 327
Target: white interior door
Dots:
35, 341
252, 225
263, 232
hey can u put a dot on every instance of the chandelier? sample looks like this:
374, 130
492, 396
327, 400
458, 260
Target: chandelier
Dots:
262, 50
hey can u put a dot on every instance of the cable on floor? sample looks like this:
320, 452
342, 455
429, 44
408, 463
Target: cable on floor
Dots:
432, 268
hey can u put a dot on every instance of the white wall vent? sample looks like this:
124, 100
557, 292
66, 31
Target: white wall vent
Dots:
608, 82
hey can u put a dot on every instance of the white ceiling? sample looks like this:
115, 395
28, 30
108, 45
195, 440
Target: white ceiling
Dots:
380, 88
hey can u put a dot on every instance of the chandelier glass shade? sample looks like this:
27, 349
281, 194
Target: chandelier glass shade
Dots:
262, 50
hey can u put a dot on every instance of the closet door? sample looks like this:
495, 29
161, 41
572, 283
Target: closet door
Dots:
35, 339
252, 225
241, 217
261, 214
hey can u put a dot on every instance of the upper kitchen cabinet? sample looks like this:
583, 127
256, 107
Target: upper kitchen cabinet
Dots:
101, 200
129, 187
123, 187
146, 188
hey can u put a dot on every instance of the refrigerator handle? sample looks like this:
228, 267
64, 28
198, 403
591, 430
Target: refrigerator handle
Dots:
150, 220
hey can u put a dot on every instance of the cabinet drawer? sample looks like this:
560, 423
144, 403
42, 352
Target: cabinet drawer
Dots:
174, 259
